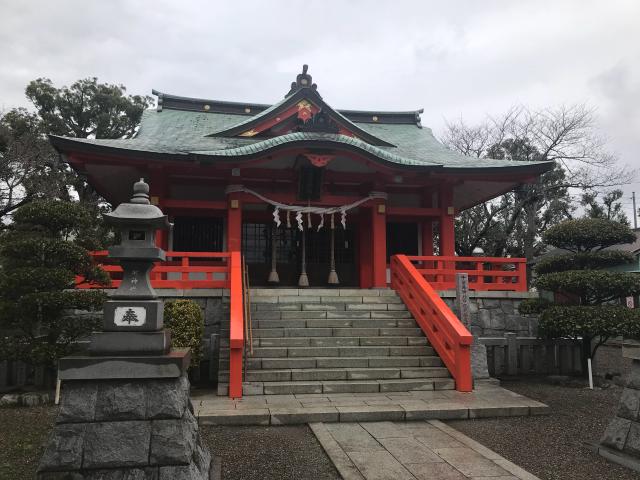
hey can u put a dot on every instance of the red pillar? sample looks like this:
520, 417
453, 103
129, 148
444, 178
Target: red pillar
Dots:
234, 223
379, 243
447, 222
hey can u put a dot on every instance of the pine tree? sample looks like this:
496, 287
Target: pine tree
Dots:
40, 256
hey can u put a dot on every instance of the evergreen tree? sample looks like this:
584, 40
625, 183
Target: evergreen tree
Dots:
40, 256
588, 298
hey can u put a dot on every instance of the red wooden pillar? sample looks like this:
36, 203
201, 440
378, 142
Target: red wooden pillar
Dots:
157, 180
234, 223
379, 243
447, 222
365, 254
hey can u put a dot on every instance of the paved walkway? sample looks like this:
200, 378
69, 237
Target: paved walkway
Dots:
426, 450
485, 401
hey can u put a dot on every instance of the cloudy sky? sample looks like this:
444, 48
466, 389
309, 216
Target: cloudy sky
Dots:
455, 59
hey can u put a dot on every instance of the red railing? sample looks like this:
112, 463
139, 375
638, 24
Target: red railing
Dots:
485, 273
236, 325
445, 332
187, 270
183, 270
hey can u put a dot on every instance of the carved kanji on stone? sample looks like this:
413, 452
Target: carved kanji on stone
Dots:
130, 317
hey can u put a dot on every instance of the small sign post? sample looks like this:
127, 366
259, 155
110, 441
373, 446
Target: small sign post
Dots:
479, 368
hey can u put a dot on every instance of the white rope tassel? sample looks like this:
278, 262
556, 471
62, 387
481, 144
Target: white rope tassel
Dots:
321, 224
299, 220
333, 225
343, 218
276, 216
308, 219
288, 218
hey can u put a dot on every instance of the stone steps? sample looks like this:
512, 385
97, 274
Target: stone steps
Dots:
335, 362
334, 341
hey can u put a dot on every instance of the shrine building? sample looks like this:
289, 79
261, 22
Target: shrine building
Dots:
331, 206
297, 186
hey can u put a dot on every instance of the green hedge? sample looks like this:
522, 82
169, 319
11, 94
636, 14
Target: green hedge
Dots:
592, 286
533, 305
590, 321
583, 261
586, 234
185, 320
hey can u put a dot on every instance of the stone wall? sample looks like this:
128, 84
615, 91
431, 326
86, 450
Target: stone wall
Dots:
495, 313
142, 428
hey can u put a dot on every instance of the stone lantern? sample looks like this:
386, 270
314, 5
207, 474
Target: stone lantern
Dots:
125, 410
133, 317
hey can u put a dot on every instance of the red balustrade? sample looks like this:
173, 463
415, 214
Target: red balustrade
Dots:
182, 270
236, 326
485, 273
188, 270
448, 336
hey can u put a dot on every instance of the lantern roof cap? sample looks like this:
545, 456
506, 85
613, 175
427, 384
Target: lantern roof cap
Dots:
138, 210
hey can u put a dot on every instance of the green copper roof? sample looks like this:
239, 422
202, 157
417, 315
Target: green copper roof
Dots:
180, 133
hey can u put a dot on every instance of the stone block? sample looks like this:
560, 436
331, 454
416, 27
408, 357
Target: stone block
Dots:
117, 444
78, 402
484, 317
167, 398
119, 400
64, 450
498, 319
181, 472
632, 445
245, 416
150, 473
378, 413
629, 404
616, 433
173, 441
291, 416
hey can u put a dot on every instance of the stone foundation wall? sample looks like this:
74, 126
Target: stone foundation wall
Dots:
142, 428
495, 313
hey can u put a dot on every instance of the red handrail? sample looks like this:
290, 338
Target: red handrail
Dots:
182, 270
448, 336
175, 272
485, 273
236, 326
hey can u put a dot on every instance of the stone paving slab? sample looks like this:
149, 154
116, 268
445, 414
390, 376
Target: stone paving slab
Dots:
485, 401
425, 450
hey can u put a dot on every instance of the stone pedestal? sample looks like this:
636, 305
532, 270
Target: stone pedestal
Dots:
621, 440
142, 429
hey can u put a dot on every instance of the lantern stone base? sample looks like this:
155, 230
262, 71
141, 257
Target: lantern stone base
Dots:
621, 440
171, 365
126, 429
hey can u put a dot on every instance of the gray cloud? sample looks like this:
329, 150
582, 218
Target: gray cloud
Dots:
464, 58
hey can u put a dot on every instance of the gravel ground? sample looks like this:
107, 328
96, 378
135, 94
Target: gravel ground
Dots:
554, 446
23, 432
264, 453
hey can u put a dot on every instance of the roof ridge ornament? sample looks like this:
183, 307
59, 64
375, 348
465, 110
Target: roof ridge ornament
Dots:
303, 80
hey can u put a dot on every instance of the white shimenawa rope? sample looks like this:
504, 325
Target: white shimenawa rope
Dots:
300, 210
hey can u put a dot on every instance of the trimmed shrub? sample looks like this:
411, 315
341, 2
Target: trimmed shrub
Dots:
185, 320
590, 318
533, 306
578, 321
586, 234
584, 260
592, 286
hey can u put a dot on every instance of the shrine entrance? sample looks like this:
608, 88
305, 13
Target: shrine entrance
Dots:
260, 241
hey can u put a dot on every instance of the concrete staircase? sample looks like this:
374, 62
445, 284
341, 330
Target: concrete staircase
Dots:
334, 341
